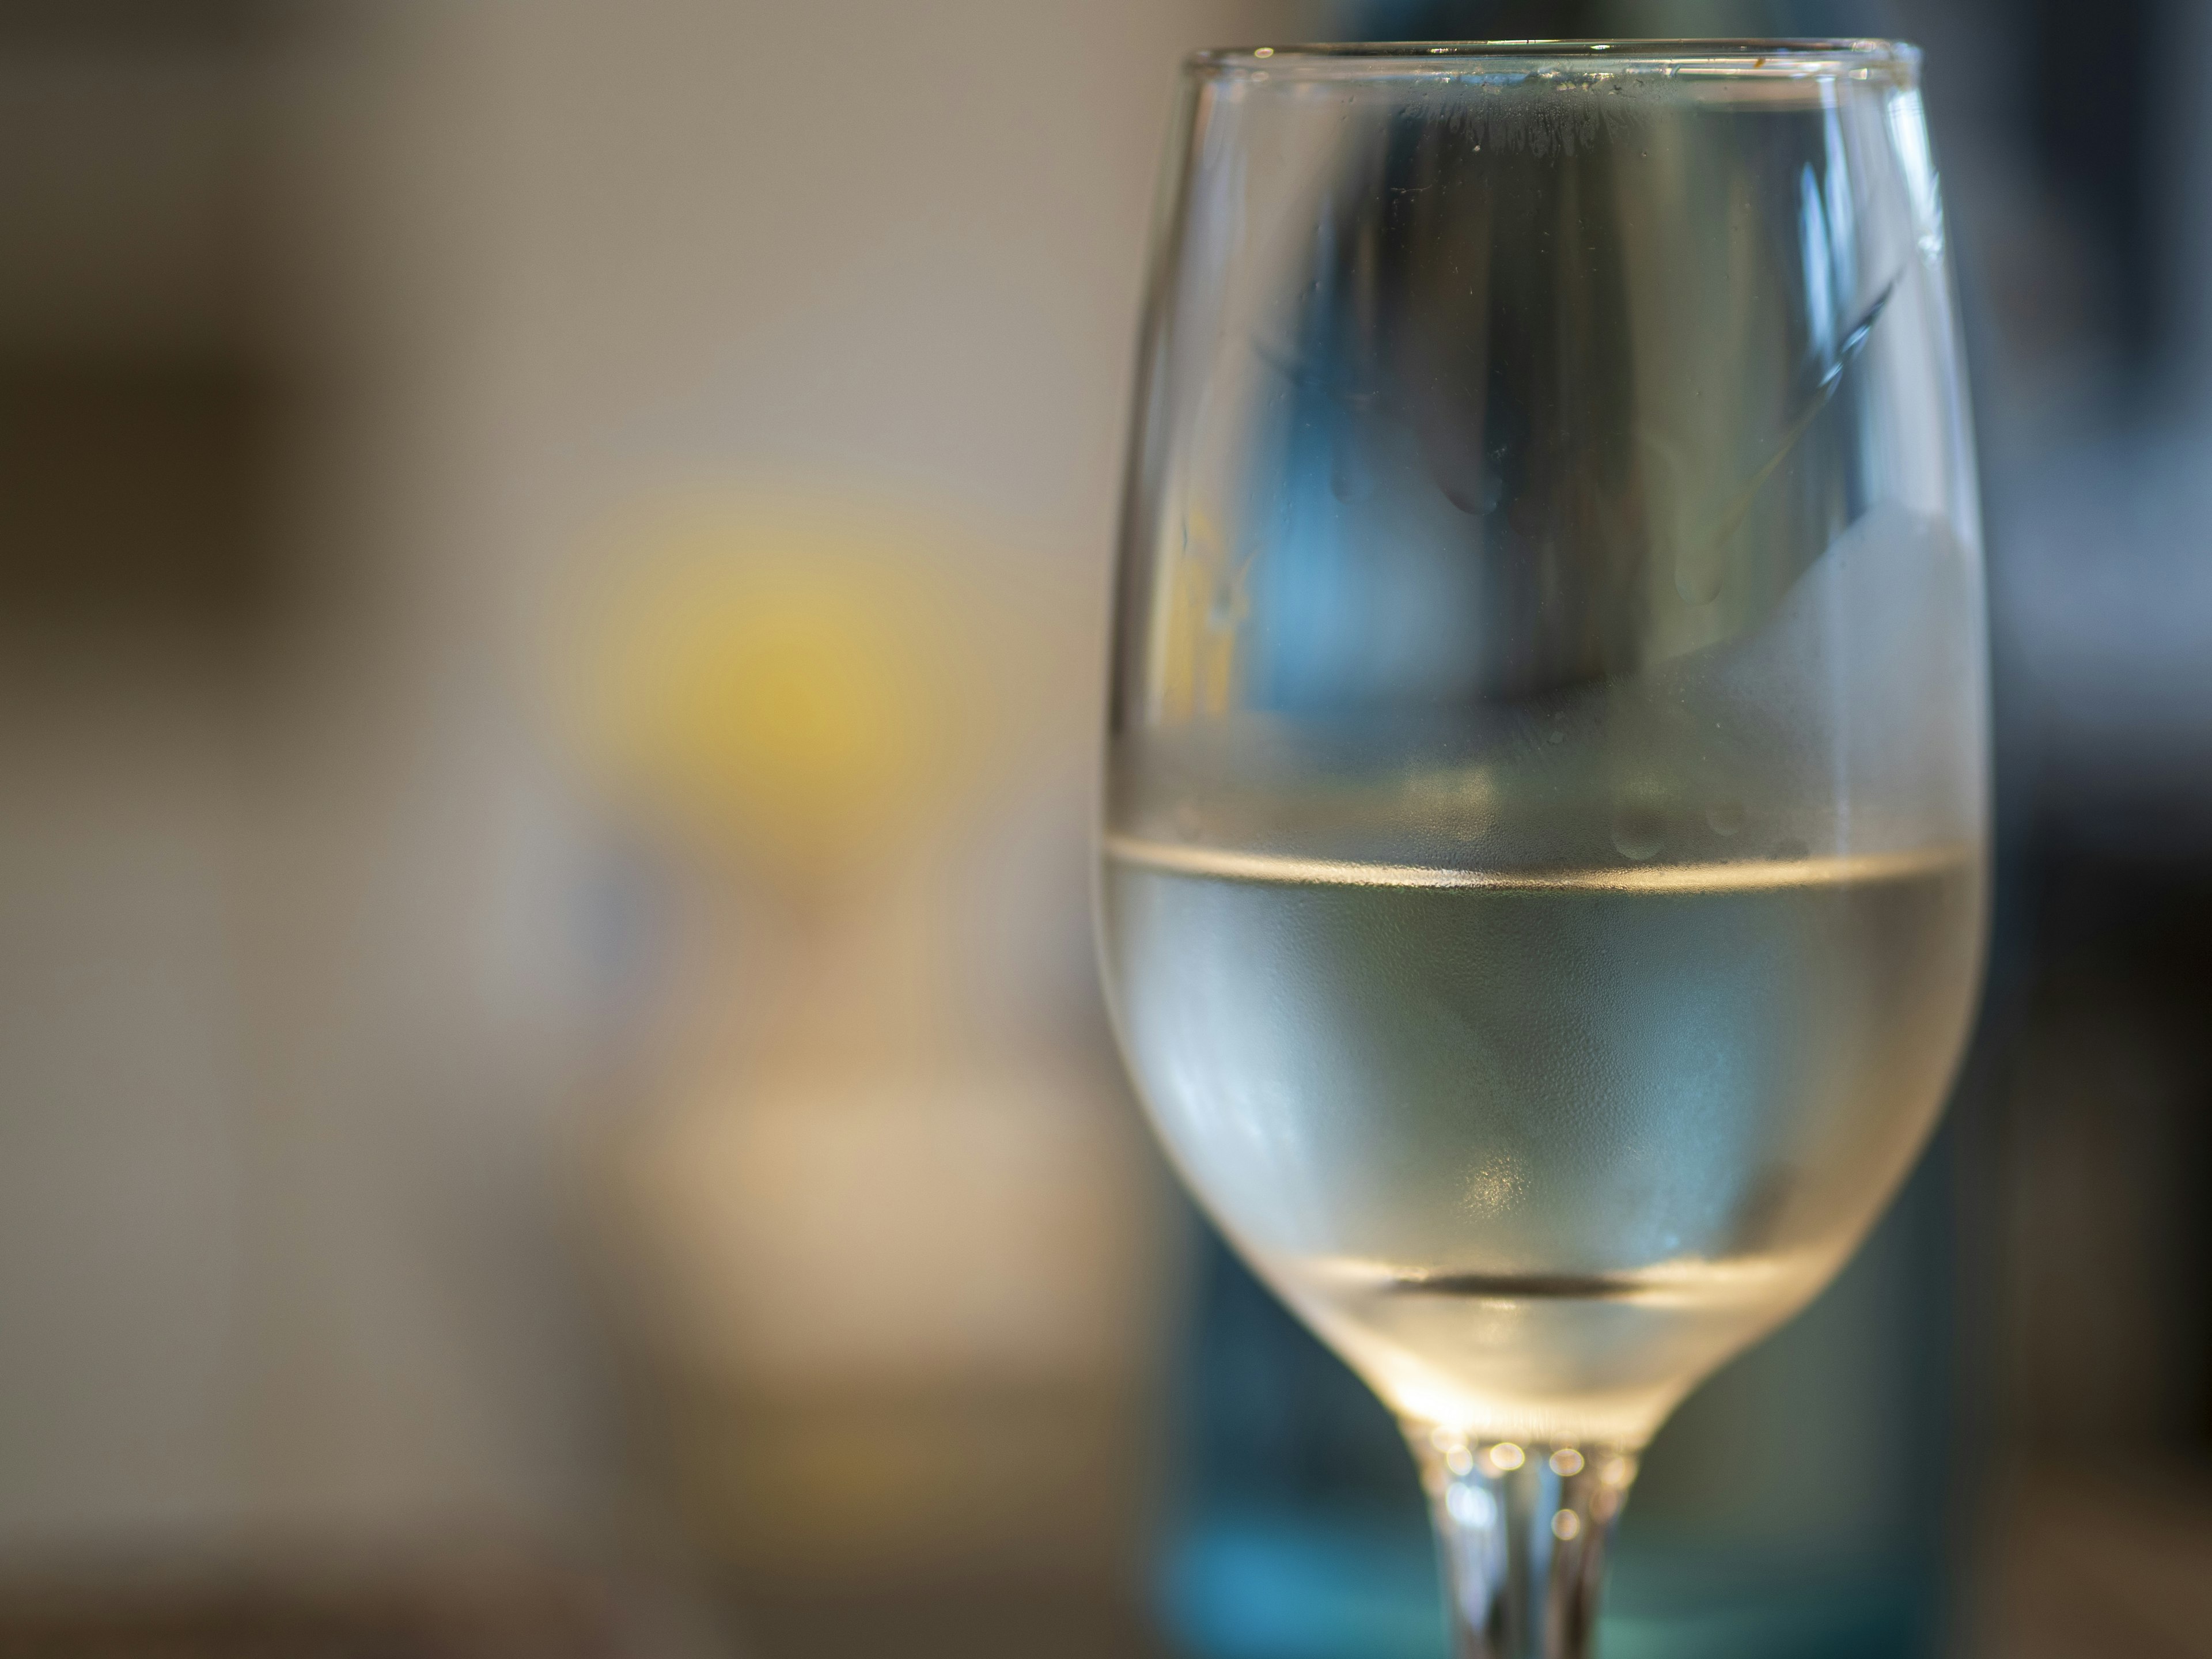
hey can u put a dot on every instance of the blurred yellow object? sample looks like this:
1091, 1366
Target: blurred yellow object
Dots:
886, 1234
781, 677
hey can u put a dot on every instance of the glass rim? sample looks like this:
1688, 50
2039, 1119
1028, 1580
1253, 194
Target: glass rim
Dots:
1732, 56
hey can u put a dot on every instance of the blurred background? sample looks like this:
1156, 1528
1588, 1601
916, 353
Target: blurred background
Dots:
552, 1094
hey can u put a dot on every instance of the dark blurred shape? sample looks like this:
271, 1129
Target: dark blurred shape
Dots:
457, 1610
133, 494
2095, 186
139, 392
134, 24
957, 1621
2100, 1559
2111, 1125
2097, 138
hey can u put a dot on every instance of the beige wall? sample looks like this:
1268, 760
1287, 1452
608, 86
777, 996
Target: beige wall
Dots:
312, 1040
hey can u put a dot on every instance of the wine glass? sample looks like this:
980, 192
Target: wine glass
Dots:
1542, 893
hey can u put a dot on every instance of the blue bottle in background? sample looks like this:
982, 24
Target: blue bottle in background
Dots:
1295, 1525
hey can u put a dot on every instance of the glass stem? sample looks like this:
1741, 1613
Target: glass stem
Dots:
1520, 1533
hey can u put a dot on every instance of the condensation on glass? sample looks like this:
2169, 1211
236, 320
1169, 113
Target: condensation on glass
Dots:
1493, 402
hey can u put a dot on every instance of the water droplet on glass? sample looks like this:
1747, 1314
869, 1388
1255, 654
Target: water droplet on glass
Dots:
1726, 817
1473, 496
1698, 576
1639, 830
